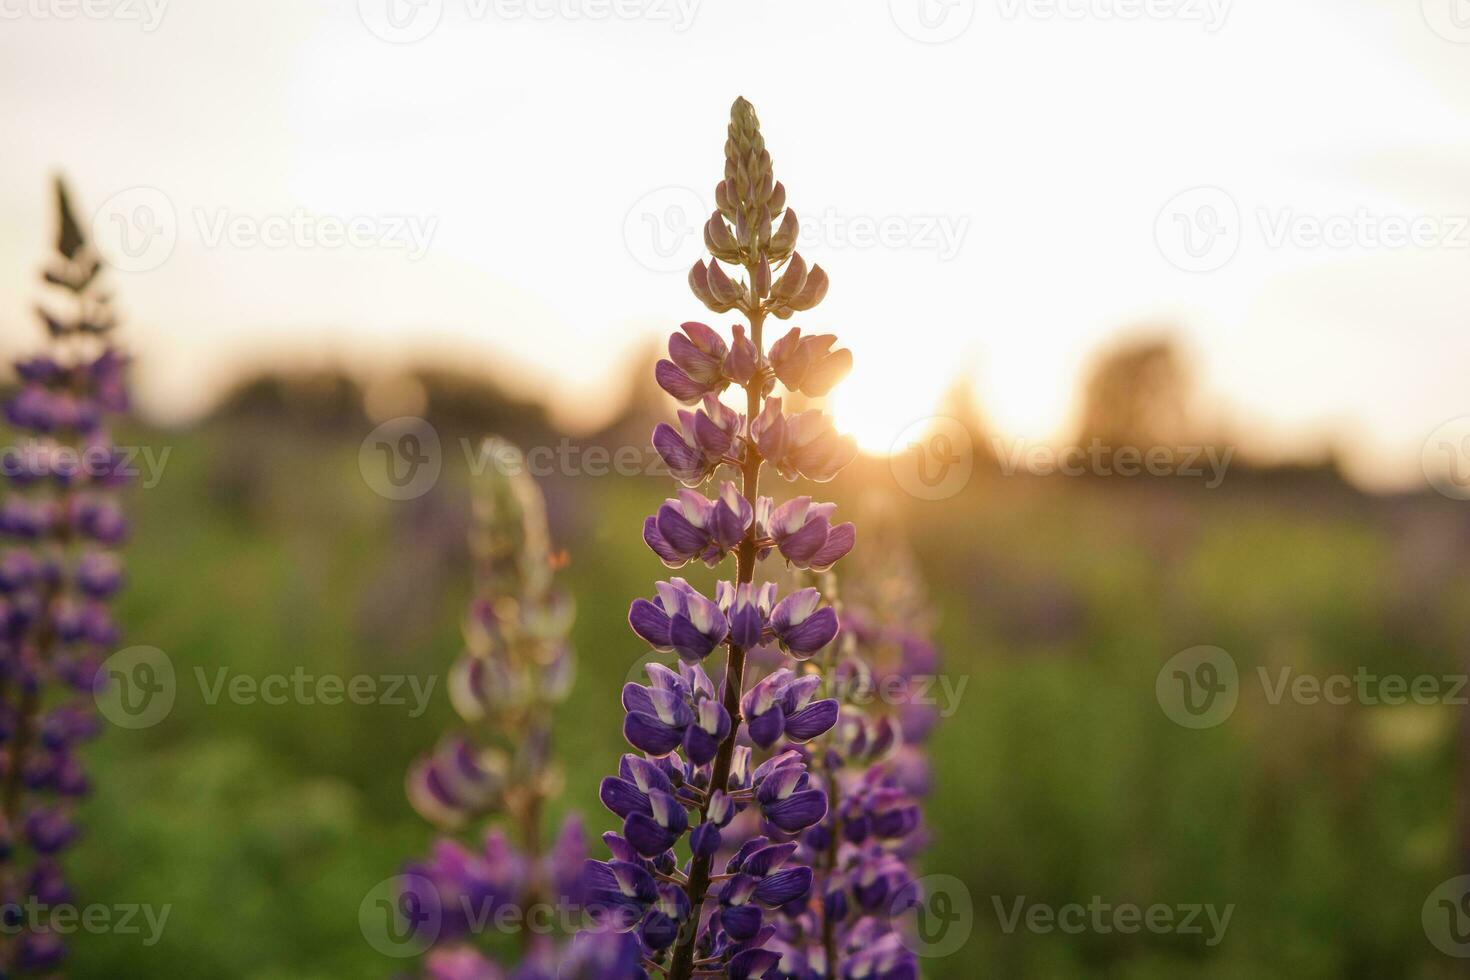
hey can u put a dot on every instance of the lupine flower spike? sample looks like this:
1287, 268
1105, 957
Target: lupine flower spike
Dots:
517, 665
696, 777
56, 576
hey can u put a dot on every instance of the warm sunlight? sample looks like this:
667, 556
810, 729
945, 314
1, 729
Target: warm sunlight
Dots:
874, 411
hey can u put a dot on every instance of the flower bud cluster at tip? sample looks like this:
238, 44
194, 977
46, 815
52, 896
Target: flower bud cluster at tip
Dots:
743, 231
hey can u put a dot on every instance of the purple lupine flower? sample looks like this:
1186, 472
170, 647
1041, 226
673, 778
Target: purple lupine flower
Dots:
692, 526
745, 360
747, 607
808, 364
802, 627
677, 710
705, 438
454, 784
803, 445
619, 893
781, 704
680, 620
55, 627
785, 794
697, 364
803, 533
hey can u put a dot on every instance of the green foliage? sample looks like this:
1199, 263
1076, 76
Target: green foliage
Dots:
1058, 778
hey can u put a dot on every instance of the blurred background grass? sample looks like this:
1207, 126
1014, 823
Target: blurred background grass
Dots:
1058, 777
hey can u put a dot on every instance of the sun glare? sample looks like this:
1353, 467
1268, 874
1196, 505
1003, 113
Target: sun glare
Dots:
875, 412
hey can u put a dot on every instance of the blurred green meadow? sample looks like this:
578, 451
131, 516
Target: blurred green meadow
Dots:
1058, 778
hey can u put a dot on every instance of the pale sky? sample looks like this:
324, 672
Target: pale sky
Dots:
520, 181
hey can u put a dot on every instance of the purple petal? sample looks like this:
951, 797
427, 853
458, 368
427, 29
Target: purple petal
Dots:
688, 642
673, 380
646, 836
741, 921
650, 623
705, 338
767, 859
684, 461
811, 721
783, 886
789, 517
636, 698
810, 636
799, 692
622, 797
839, 542
699, 366
749, 963
699, 745
746, 626
794, 609
661, 547
797, 811
647, 733
705, 840
802, 545
729, 526
683, 537
766, 728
